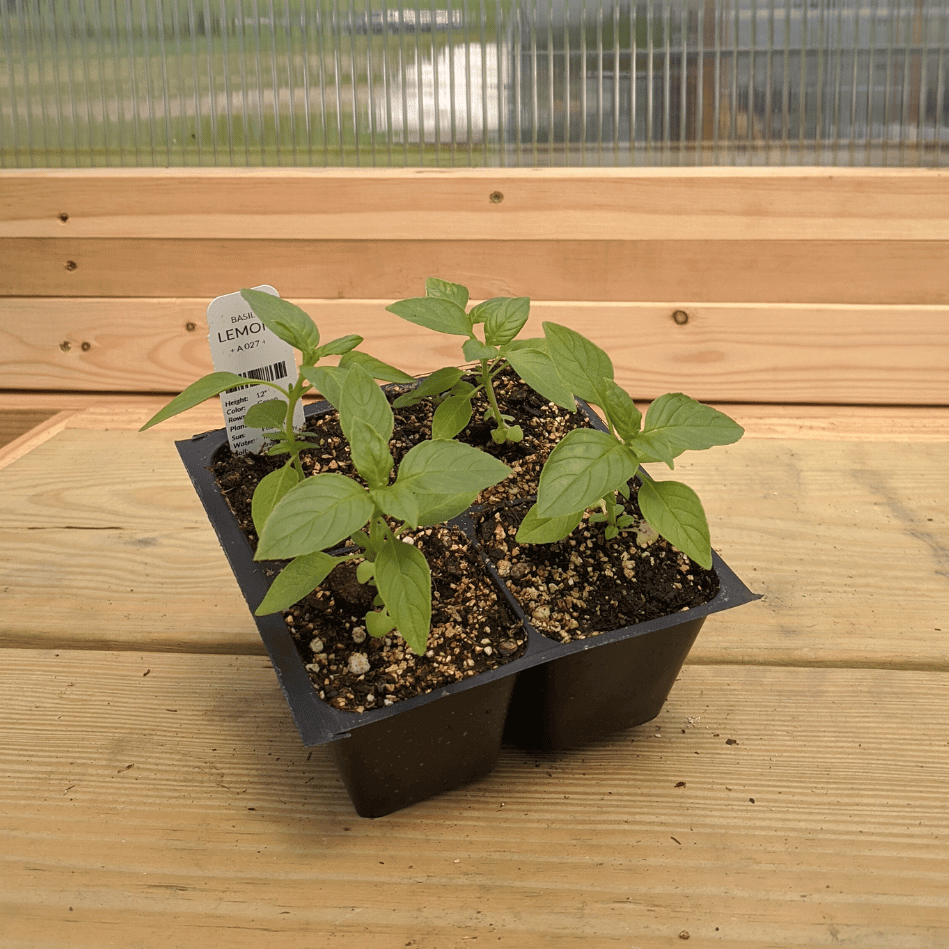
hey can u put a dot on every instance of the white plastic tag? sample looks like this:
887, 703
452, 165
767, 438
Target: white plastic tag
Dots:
240, 343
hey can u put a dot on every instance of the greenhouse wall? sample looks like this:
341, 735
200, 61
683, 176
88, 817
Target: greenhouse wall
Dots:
108, 83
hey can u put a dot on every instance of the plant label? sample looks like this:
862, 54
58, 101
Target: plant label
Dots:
240, 343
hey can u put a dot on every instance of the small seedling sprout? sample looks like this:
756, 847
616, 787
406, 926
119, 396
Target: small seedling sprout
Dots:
591, 468
443, 309
300, 518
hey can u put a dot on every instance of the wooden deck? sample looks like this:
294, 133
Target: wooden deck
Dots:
793, 792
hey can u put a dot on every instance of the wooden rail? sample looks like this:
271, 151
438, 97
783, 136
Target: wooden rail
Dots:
788, 286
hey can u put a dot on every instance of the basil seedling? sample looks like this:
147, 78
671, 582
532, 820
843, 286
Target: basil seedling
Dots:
590, 467
443, 309
299, 518
436, 480
275, 416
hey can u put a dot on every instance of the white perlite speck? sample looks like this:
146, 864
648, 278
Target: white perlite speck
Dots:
358, 664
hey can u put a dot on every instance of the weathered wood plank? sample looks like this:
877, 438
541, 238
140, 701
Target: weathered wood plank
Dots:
848, 542
148, 798
750, 271
32, 428
16, 424
105, 542
123, 589
813, 422
490, 204
723, 352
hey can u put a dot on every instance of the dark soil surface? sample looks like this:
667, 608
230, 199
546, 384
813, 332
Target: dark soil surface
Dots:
570, 590
584, 584
544, 424
472, 631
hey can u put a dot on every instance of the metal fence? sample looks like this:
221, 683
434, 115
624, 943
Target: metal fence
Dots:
471, 82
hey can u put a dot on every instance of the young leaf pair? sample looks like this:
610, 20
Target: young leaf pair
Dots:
590, 467
442, 309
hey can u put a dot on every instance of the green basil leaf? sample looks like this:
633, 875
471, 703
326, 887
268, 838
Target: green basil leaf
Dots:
269, 414
584, 466
286, 320
448, 467
298, 578
405, 585
438, 508
652, 446
328, 381
675, 511
207, 386
582, 365
269, 491
338, 347
379, 623
440, 381
451, 416
398, 501
680, 424
318, 513
535, 529
475, 350
620, 410
534, 342
375, 367
503, 317
434, 313
370, 453
362, 398
539, 371
447, 291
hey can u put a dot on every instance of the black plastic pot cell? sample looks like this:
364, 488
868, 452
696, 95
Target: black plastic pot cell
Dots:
563, 693
585, 695
611, 681
433, 748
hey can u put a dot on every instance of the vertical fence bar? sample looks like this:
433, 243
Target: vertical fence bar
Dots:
11, 155
182, 123
140, 68
941, 125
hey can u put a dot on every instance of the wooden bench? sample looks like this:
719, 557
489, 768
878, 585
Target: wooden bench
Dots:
793, 792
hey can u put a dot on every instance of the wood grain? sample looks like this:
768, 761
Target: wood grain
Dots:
744, 271
847, 543
14, 425
32, 428
724, 352
159, 797
903, 424
117, 552
488, 204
